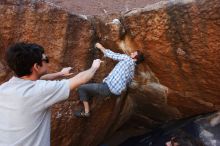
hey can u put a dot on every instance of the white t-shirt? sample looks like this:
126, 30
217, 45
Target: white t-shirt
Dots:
25, 110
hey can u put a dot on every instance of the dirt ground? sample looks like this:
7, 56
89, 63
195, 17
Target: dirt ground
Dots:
101, 7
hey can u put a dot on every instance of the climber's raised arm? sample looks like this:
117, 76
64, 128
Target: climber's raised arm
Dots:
110, 54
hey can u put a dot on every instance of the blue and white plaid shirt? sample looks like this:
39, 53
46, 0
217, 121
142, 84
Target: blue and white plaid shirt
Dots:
122, 74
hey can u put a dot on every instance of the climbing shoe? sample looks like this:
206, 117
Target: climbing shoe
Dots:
81, 114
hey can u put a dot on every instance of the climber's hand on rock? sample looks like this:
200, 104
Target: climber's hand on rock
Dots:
100, 47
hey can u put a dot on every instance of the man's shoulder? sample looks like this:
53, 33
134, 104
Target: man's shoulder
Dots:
126, 57
4, 84
128, 60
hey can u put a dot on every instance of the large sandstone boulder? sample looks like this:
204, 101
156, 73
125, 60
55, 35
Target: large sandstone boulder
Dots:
178, 79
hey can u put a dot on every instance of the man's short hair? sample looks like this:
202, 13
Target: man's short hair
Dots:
139, 57
21, 57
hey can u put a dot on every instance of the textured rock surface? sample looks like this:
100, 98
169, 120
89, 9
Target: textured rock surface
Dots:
179, 78
183, 48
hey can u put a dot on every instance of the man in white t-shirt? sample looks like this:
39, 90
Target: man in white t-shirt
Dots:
25, 99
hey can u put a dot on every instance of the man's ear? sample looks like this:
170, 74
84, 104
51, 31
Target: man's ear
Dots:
35, 67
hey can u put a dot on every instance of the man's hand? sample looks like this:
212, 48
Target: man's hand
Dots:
100, 47
66, 71
96, 63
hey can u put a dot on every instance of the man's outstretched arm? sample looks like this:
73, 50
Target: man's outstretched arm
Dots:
110, 54
65, 72
85, 76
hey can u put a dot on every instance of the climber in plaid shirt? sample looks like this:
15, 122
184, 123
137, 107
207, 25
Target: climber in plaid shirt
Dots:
116, 82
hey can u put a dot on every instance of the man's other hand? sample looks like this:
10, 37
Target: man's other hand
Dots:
96, 63
66, 71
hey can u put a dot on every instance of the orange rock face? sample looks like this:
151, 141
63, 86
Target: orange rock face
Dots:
183, 48
179, 78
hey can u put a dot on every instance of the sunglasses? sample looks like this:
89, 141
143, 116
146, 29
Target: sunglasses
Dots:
45, 58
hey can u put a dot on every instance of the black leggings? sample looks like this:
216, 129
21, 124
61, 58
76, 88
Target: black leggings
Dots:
87, 91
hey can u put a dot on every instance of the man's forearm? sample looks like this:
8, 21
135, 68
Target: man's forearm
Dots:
51, 76
103, 50
63, 73
87, 75
82, 78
